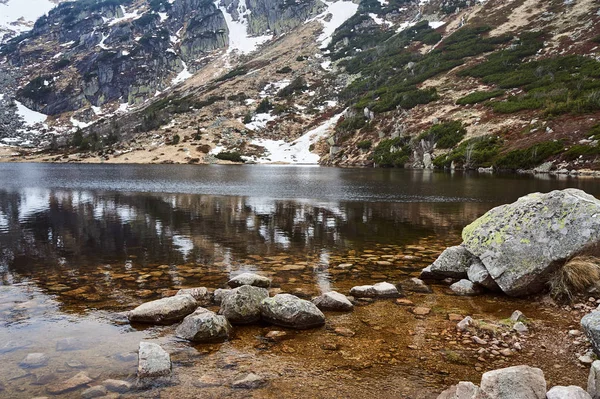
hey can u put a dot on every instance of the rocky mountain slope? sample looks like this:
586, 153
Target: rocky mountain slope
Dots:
508, 84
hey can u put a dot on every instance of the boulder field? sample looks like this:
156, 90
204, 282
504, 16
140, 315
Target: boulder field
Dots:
514, 248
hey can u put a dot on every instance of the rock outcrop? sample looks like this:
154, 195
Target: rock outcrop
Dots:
290, 311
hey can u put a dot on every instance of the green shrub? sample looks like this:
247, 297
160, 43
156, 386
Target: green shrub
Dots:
239, 71
445, 135
230, 156
175, 140
529, 157
364, 144
392, 152
62, 63
264, 107
479, 96
285, 69
351, 124
296, 86
473, 153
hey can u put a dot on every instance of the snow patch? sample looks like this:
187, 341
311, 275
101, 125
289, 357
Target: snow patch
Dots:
183, 75
340, 12
78, 124
126, 16
30, 10
436, 24
379, 21
259, 121
239, 39
30, 116
298, 151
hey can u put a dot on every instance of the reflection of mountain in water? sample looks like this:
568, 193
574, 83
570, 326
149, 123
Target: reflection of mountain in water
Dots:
76, 228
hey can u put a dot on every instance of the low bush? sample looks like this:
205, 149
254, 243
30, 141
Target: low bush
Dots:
473, 153
445, 135
364, 145
479, 96
230, 156
529, 157
392, 152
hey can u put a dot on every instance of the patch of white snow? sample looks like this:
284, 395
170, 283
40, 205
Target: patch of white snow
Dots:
239, 39
30, 116
340, 12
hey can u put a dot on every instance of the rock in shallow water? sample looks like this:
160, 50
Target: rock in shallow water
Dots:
204, 326
34, 360
164, 311
466, 287
242, 304
333, 301
454, 262
201, 294
118, 386
519, 243
290, 311
478, 274
570, 392
251, 381
249, 279
379, 290
153, 362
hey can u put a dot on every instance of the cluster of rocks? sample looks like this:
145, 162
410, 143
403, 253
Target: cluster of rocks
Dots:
522, 382
514, 248
246, 302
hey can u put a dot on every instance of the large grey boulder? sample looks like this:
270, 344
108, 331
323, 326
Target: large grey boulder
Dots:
520, 243
379, 290
590, 323
249, 279
462, 390
570, 392
333, 301
517, 382
164, 311
593, 387
478, 274
204, 326
290, 311
153, 361
453, 262
242, 305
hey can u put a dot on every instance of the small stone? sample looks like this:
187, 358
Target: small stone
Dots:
479, 341
455, 317
249, 279
570, 392
250, 381
333, 301
520, 327
404, 302
506, 352
276, 336
574, 333
516, 316
586, 359
34, 360
69, 344
465, 323
466, 288
344, 332
72, 383
94, 392
421, 311
328, 346
75, 364
119, 386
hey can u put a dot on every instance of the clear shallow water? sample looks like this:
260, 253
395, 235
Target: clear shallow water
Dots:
79, 243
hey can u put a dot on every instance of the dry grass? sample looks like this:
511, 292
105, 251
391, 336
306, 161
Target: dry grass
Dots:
577, 275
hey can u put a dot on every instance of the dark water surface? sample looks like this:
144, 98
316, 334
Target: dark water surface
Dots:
79, 243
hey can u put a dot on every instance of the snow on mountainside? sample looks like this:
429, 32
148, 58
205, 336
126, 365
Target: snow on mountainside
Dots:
17, 16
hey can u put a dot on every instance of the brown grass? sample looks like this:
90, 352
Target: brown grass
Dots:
577, 275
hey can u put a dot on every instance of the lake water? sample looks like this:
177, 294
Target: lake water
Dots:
81, 243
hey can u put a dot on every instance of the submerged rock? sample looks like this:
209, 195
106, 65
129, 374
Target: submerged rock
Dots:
454, 262
466, 287
521, 243
570, 392
379, 290
204, 326
118, 386
521, 382
290, 311
153, 362
242, 305
72, 383
333, 301
164, 311
249, 279
34, 360
94, 392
